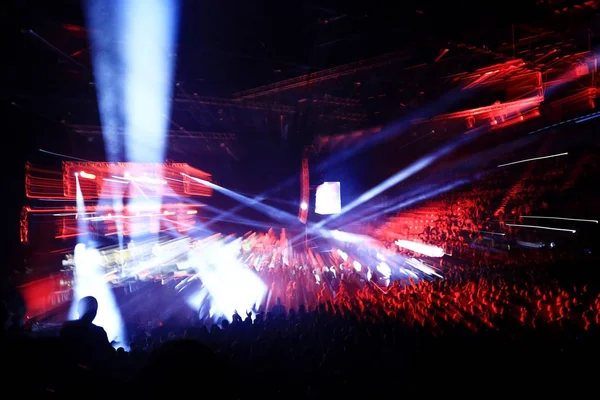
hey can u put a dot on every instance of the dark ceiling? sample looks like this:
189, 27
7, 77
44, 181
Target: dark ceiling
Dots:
231, 45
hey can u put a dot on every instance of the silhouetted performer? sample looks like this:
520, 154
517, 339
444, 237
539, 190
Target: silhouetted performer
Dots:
87, 342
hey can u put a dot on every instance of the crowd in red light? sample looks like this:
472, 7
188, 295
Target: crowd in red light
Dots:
339, 331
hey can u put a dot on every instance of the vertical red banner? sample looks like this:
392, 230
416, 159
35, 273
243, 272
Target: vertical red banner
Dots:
304, 191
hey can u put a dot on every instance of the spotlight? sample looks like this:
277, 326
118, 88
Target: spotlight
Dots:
304, 206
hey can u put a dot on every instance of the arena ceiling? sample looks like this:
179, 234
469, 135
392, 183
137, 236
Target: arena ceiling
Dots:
259, 80
260, 71
229, 46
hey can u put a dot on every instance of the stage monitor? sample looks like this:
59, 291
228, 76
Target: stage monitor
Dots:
328, 199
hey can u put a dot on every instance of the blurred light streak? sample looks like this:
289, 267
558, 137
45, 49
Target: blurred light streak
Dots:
543, 227
530, 244
264, 208
425, 191
404, 174
89, 209
61, 155
413, 262
347, 237
575, 120
588, 117
494, 233
421, 248
396, 128
429, 194
561, 218
568, 76
533, 159
82, 226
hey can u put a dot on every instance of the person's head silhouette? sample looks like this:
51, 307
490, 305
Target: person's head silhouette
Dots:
88, 308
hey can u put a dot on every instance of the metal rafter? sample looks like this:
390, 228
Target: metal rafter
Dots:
321, 76
174, 134
250, 105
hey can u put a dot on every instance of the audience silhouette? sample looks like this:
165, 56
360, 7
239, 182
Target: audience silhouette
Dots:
88, 342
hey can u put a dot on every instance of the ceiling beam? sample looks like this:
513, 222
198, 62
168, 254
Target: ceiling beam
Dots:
173, 134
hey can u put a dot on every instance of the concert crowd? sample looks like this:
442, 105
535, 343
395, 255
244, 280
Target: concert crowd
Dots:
500, 322
485, 327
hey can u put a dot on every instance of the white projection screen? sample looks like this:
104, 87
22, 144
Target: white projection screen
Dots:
328, 199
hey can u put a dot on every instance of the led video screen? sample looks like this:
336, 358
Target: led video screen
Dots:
328, 199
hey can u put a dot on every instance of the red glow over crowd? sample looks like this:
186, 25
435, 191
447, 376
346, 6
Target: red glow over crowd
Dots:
487, 287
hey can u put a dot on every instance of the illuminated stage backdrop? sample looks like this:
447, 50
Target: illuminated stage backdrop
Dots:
102, 180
